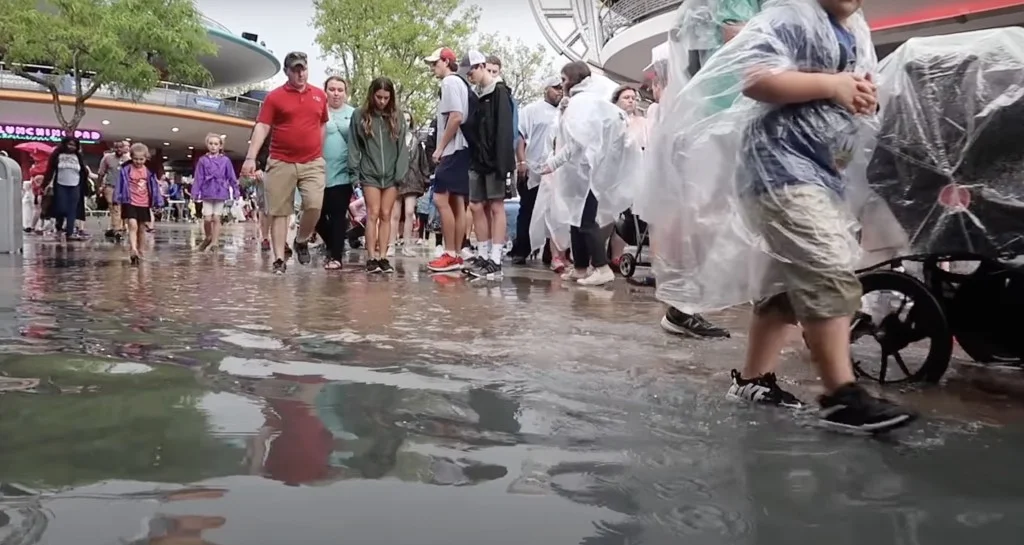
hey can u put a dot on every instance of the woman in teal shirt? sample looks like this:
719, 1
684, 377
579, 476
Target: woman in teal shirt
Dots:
333, 224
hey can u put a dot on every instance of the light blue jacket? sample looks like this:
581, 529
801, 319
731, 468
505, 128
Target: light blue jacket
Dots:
336, 147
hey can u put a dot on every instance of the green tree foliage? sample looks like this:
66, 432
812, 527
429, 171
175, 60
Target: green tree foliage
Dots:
127, 46
524, 67
365, 40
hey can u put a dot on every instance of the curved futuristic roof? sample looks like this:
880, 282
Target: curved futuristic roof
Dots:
238, 60
619, 35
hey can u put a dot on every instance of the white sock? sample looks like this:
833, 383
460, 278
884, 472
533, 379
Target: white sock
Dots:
483, 248
497, 252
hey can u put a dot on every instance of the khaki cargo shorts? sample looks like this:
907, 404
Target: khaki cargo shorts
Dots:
281, 180
809, 233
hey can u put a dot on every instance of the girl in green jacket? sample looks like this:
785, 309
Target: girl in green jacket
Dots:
378, 159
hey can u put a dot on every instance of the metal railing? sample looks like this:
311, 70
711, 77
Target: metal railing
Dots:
168, 94
625, 13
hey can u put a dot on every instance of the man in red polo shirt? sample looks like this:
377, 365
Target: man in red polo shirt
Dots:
297, 114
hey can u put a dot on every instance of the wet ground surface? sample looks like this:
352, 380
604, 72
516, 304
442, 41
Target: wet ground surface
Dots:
200, 399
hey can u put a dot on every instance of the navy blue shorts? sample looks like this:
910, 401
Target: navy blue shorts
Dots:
452, 174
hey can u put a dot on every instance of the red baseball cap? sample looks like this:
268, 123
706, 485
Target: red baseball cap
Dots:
441, 53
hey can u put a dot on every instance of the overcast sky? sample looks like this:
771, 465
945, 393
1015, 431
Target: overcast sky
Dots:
285, 26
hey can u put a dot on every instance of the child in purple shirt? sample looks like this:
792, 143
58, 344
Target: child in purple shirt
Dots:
215, 182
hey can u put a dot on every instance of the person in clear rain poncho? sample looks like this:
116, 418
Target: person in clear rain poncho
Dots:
748, 193
595, 170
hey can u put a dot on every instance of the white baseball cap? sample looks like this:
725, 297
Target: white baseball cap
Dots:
553, 81
472, 58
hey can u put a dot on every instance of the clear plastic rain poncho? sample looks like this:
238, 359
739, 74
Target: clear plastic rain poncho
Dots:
546, 210
949, 162
603, 158
723, 167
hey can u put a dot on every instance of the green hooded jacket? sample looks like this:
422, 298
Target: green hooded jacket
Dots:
376, 158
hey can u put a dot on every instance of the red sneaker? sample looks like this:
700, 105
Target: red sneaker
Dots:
445, 263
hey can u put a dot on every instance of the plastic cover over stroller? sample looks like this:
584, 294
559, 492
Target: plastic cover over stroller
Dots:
949, 160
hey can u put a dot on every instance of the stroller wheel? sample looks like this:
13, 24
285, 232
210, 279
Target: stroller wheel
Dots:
627, 265
897, 316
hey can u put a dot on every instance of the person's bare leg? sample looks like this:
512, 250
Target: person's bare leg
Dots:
478, 215
279, 235
395, 218
449, 221
133, 241
498, 223
373, 222
265, 222
307, 225
410, 218
140, 234
214, 234
458, 206
388, 205
768, 335
829, 341
618, 246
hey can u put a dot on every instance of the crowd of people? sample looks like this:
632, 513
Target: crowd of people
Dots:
743, 151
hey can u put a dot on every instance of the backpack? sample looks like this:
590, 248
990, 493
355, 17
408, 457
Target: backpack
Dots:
470, 125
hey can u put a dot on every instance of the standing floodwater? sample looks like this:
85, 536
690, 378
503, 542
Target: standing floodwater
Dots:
193, 400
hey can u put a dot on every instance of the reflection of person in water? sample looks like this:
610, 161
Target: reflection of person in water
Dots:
293, 446
318, 431
165, 529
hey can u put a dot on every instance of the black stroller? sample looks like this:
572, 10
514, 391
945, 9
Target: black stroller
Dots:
633, 231
949, 165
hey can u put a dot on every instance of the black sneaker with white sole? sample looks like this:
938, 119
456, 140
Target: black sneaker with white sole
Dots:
852, 409
691, 325
487, 269
373, 266
302, 252
471, 263
763, 389
279, 266
385, 266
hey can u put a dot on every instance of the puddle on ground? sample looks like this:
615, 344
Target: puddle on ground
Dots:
406, 411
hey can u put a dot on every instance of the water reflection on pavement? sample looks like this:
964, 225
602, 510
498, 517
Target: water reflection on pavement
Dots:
199, 399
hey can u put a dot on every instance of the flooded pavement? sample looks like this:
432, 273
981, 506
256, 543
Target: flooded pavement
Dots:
200, 399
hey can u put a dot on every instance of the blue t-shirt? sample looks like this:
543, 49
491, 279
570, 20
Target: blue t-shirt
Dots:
806, 143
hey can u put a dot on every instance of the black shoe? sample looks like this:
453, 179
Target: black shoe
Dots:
486, 268
691, 325
27, 230
134, 260
373, 266
109, 233
470, 264
279, 266
288, 252
302, 252
384, 266
853, 409
518, 260
763, 389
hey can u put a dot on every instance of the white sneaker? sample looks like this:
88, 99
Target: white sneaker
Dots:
467, 254
599, 277
408, 252
390, 252
571, 275
438, 251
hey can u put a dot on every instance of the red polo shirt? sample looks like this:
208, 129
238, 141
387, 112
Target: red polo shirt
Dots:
297, 119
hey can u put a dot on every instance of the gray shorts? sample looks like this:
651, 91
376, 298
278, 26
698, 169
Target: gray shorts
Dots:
486, 187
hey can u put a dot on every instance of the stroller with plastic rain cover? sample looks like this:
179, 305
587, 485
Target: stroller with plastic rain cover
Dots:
947, 176
633, 231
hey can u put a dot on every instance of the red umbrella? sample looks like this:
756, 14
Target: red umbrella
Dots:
35, 148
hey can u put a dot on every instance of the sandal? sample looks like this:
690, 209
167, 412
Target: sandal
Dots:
332, 265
